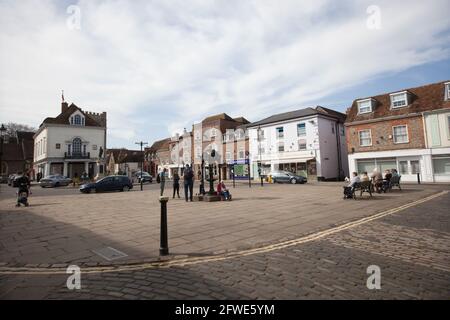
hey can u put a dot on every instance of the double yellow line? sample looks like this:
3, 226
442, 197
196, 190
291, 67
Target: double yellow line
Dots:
213, 258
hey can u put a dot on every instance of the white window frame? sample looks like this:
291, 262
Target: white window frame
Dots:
407, 134
405, 94
306, 145
447, 90
279, 145
362, 101
359, 137
298, 133
278, 133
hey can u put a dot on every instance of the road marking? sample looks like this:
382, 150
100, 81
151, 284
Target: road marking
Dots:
213, 258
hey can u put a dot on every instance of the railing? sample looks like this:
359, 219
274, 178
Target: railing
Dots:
86, 155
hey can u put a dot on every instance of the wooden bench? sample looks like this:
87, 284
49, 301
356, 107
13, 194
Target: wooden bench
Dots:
365, 186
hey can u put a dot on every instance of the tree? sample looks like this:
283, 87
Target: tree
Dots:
12, 128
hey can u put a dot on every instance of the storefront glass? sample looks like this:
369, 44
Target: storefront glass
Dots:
441, 165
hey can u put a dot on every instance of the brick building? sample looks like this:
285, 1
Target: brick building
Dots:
389, 131
18, 154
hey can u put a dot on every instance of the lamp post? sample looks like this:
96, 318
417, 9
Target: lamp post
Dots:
248, 169
260, 156
142, 161
211, 181
2, 131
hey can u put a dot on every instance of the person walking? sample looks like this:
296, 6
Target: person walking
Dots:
176, 185
162, 180
188, 183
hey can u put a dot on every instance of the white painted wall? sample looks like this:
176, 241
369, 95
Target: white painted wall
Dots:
442, 127
320, 143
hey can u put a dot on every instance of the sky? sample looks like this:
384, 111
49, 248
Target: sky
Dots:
159, 66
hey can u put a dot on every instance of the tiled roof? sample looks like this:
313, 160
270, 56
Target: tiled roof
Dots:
64, 117
424, 98
125, 155
221, 116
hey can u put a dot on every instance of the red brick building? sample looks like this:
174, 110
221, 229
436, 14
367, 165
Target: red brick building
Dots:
389, 131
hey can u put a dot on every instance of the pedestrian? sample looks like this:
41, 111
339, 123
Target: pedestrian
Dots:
188, 183
176, 185
162, 180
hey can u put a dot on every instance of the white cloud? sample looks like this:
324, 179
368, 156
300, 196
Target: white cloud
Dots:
173, 62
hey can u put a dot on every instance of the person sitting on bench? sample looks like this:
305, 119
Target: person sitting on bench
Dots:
223, 191
348, 190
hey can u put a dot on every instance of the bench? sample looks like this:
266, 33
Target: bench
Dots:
395, 182
365, 186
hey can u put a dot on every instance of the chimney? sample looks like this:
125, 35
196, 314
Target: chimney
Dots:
64, 106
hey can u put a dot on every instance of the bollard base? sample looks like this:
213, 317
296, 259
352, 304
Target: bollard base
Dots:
164, 251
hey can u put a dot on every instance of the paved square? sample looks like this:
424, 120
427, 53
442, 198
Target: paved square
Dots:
58, 230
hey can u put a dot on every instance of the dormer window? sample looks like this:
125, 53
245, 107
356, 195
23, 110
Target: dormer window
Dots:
447, 91
77, 120
399, 99
365, 106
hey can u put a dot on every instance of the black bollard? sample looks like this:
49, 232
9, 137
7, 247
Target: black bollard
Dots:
418, 177
164, 245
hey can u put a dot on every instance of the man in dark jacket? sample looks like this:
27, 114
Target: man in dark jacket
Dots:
188, 183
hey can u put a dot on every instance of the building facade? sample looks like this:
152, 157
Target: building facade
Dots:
124, 161
405, 130
309, 142
71, 144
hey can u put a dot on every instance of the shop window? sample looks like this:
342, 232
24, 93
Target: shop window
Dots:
441, 165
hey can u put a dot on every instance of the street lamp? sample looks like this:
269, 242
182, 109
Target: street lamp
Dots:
142, 161
2, 131
211, 174
260, 156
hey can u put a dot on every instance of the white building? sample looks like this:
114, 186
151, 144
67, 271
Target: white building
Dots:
308, 142
72, 143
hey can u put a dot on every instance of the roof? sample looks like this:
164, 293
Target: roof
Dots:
221, 116
160, 145
124, 155
64, 117
423, 98
301, 113
241, 120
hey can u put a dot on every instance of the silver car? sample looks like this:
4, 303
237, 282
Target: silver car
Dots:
56, 180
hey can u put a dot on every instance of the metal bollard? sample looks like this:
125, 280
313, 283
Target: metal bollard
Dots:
164, 245
418, 177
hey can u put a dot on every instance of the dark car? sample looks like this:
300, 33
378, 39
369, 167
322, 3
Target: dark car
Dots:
287, 177
12, 181
110, 183
4, 179
146, 177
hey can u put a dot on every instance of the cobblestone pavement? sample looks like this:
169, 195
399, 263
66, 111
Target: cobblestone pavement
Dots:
69, 228
411, 247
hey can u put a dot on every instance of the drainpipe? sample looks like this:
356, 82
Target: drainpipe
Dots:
338, 141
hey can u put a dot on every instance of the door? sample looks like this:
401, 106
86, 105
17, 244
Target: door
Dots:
105, 184
409, 168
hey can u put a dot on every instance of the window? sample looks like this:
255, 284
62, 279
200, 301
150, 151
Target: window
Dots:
228, 155
76, 146
77, 120
447, 91
403, 166
448, 127
58, 146
281, 147
400, 134
441, 165
84, 149
399, 100
301, 129
365, 138
241, 154
260, 133
280, 132
364, 106
365, 165
342, 130
69, 148
415, 166
302, 144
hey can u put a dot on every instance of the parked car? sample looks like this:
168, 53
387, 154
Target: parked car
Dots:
11, 179
110, 183
146, 177
287, 177
53, 181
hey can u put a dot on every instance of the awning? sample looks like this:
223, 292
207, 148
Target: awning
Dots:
301, 160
